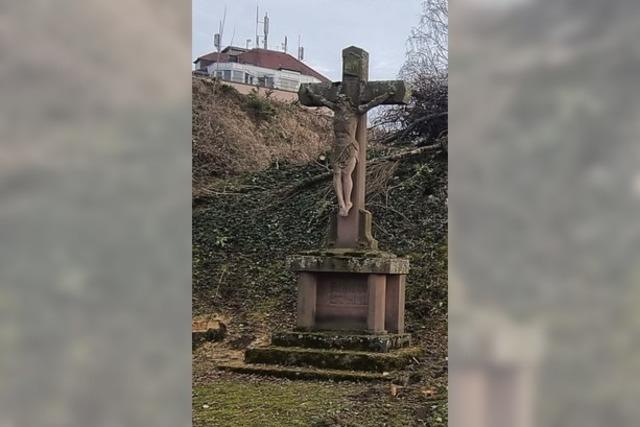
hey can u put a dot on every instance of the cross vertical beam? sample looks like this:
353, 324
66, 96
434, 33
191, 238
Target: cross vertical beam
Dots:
355, 74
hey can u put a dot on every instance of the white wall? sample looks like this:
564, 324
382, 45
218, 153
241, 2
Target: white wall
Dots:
282, 79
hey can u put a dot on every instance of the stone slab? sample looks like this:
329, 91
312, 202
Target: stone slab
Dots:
341, 297
332, 359
349, 261
297, 373
342, 341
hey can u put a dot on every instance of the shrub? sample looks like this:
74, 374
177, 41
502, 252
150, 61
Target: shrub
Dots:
262, 108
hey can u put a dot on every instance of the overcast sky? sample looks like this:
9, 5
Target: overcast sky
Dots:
327, 26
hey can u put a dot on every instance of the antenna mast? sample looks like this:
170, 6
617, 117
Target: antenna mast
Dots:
266, 29
217, 39
233, 36
300, 48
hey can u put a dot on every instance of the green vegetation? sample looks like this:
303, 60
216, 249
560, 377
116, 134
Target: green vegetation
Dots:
261, 107
246, 403
234, 404
244, 232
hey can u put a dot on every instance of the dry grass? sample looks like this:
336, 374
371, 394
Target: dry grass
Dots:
229, 138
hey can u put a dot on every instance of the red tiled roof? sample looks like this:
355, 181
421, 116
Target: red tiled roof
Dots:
268, 59
213, 57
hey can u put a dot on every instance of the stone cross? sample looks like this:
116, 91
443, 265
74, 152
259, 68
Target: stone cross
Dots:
354, 230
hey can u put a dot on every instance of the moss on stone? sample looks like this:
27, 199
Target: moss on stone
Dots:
349, 252
342, 341
332, 359
332, 262
298, 373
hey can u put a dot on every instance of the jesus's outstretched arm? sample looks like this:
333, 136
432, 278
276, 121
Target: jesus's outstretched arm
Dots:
374, 102
321, 99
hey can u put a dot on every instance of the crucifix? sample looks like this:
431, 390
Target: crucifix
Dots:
350, 100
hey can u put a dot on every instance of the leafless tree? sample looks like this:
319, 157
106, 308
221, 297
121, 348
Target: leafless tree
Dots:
425, 119
428, 44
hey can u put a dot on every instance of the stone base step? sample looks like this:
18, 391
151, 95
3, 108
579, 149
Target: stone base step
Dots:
332, 359
342, 341
304, 373
206, 328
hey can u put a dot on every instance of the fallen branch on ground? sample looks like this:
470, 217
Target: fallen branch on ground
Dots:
403, 133
243, 190
393, 157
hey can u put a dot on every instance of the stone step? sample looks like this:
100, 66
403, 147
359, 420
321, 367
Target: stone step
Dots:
299, 373
332, 359
342, 341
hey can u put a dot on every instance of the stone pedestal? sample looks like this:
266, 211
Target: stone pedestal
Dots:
350, 290
350, 318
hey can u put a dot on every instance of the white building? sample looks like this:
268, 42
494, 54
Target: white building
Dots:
258, 67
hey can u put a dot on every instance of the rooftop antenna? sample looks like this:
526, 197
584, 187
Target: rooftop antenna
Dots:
233, 36
284, 45
266, 29
220, 35
300, 48
248, 42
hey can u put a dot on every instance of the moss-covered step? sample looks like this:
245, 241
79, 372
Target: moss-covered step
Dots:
342, 341
299, 373
332, 359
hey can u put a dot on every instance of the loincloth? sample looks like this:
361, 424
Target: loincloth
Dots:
343, 153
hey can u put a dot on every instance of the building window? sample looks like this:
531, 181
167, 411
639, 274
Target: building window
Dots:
289, 84
238, 76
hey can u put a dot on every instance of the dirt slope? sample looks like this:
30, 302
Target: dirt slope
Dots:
234, 133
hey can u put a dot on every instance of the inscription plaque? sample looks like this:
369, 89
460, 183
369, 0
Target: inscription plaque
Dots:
342, 301
347, 294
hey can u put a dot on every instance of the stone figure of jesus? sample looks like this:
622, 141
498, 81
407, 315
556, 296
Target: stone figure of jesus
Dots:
345, 148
